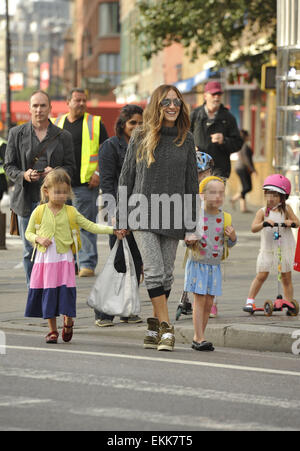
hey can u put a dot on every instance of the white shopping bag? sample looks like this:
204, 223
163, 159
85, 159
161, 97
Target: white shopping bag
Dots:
114, 293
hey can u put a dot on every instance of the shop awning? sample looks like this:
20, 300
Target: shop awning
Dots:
187, 85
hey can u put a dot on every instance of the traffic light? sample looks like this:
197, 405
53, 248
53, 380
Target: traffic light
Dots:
268, 76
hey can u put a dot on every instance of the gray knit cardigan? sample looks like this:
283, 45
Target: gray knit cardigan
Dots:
174, 173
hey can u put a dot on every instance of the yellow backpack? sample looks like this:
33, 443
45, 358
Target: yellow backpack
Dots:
75, 229
227, 223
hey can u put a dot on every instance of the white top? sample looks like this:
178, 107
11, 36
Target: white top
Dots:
268, 257
267, 235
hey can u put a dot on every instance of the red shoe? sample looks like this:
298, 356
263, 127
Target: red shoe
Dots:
67, 336
52, 337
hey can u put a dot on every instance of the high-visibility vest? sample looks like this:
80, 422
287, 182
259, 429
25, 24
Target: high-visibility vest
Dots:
2, 141
90, 143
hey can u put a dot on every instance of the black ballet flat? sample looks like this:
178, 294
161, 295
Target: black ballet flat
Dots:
203, 346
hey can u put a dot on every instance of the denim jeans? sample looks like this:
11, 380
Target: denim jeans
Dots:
85, 202
28, 249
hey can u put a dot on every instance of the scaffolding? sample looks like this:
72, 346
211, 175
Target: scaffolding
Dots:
287, 155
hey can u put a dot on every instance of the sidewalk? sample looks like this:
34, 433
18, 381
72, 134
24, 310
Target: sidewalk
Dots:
232, 327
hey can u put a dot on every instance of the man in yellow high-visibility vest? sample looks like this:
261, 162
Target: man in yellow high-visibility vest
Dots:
88, 133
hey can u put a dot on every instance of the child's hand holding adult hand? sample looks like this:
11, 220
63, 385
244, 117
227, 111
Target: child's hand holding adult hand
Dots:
190, 239
120, 234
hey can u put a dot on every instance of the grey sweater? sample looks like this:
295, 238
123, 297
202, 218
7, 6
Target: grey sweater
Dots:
173, 175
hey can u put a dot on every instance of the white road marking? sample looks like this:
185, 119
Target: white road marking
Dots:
173, 420
157, 359
15, 401
149, 387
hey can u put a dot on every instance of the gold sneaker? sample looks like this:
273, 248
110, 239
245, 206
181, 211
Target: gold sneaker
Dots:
86, 272
166, 337
152, 334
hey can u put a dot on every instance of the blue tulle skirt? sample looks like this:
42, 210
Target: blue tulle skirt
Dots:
203, 279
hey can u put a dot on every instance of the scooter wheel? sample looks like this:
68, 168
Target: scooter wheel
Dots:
268, 308
178, 313
295, 311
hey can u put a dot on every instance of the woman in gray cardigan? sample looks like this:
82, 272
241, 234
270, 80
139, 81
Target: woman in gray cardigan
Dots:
157, 185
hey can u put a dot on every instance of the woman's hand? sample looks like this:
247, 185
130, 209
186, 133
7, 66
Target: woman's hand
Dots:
120, 234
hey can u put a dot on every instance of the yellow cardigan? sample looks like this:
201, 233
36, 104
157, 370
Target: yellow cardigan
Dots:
59, 227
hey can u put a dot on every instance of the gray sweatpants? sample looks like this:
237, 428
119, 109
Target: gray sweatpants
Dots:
158, 254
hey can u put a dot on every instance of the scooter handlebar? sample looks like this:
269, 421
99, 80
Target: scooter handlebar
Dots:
276, 224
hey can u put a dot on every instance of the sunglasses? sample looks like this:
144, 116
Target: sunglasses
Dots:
168, 102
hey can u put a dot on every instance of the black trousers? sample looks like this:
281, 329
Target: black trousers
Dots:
3, 185
121, 266
246, 181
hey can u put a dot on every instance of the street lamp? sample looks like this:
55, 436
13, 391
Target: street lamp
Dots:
7, 72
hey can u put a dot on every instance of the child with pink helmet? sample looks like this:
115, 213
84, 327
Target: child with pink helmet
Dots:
277, 189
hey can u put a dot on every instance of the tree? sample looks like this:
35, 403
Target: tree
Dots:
229, 31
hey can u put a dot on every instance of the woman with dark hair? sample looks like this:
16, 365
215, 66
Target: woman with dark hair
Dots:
244, 168
160, 162
111, 158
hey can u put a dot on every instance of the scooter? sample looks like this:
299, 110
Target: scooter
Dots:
279, 304
184, 307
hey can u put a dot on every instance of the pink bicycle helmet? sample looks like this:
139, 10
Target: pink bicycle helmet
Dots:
278, 183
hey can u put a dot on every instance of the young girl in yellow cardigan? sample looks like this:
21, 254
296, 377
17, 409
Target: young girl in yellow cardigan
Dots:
52, 289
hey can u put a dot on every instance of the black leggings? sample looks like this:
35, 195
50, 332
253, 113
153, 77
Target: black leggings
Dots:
245, 180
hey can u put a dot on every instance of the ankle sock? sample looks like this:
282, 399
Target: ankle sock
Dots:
250, 301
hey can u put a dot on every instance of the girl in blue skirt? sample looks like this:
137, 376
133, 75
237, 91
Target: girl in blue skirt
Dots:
203, 275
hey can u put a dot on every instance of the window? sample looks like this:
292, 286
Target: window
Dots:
109, 19
109, 67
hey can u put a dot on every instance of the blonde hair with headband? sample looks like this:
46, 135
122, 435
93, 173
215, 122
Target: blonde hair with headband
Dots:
205, 181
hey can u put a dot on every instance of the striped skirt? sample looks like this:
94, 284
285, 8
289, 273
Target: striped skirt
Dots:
52, 289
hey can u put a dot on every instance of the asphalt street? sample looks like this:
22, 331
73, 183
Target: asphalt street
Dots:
112, 385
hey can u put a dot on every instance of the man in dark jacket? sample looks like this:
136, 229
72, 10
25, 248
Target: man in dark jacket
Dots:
33, 150
215, 129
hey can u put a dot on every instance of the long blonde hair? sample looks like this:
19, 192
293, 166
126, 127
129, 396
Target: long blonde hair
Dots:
150, 132
55, 177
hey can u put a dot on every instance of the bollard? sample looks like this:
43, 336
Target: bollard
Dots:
2, 231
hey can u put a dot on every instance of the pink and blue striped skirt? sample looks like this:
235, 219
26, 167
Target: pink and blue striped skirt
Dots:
52, 289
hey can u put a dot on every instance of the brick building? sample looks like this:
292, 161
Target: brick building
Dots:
97, 46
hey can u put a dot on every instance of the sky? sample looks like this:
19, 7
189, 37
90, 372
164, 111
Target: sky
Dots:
11, 6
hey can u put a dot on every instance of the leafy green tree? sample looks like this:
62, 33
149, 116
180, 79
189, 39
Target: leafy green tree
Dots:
229, 31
